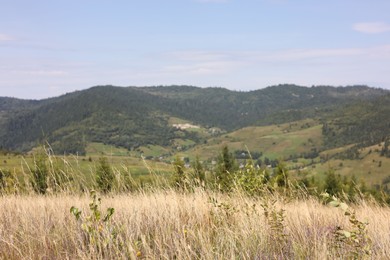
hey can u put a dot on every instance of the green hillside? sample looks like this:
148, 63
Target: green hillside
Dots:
364, 123
133, 118
275, 142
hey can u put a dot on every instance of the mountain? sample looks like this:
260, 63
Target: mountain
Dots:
135, 116
364, 123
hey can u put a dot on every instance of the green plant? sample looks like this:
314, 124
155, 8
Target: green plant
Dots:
333, 184
280, 176
96, 227
180, 178
104, 175
225, 169
40, 173
275, 220
352, 243
222, 212
199, 172
251, 179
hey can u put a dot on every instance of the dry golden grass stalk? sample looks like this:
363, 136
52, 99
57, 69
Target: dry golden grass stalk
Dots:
164, 224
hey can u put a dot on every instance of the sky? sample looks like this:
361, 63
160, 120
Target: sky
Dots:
49, 48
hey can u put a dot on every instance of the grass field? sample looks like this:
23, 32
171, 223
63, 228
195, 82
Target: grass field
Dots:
82, 169
164, 224
371, 167
276, 141
152, 220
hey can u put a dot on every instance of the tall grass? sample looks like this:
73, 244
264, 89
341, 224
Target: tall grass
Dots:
165, 224
153, 221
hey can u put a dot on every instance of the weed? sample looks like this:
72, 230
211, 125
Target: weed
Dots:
352, 243
222, 212
97, 229
275, 221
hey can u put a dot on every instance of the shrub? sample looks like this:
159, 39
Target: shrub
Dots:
40, 173
225, 169
179, 175
251, 179
104, 175
97, 230
352, 243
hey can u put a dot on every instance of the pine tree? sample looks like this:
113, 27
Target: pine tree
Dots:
332, 183
104, 175
225, 169
178, 165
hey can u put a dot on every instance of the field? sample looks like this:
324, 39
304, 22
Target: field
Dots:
165, 224
150, 213
82, 169
275, 141
370, 167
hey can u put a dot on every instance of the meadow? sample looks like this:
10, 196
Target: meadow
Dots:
167, 213
167, 224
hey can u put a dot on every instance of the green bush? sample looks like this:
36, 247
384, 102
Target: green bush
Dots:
40, 173
251, 179
104, 175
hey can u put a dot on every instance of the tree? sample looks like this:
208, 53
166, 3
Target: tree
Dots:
333, 184
179, 176
385, 149
225, 168
352, 188
281, 175
40, 173
104, 175
178, 165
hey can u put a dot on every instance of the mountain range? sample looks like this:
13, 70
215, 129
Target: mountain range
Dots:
131, 117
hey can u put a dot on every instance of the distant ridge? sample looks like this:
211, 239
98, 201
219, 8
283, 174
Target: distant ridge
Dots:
134, 116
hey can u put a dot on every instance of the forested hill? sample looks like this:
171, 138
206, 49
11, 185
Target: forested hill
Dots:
362, 123
135, 116
277, 104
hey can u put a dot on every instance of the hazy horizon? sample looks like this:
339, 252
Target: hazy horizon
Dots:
151, 86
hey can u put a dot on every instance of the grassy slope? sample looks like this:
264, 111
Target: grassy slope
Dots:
281, 141
372, 168
83, 168
275, 141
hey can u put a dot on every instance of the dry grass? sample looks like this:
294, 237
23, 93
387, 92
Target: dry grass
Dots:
166, 224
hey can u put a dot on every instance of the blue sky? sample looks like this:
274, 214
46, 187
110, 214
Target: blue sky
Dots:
48, 48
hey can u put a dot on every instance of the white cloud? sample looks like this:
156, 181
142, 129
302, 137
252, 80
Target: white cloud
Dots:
253, 69
372, 28
4, 37
246, 57
203, 68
